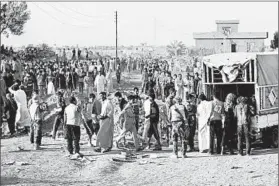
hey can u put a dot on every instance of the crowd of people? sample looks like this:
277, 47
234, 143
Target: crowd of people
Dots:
184, 106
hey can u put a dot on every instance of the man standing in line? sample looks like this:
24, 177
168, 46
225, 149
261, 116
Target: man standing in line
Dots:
215, 122
241, 113
191, 119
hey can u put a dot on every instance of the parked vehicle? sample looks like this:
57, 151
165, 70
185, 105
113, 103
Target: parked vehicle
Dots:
247, 74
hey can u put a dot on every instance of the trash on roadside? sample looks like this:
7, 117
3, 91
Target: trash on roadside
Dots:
236, 167
9, 163
20, 148
22, 163
119, 159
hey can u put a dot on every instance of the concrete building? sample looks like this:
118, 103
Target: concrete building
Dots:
228, 39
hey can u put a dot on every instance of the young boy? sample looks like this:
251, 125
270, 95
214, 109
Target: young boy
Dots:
91, 109
36, 113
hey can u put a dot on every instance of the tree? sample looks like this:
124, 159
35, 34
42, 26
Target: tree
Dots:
13, 17
274, 42
176, 48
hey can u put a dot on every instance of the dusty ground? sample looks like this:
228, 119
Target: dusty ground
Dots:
49, 166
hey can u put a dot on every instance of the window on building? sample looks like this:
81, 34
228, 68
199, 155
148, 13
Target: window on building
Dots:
233, 48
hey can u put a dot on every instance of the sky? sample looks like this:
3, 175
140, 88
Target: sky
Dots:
155, 23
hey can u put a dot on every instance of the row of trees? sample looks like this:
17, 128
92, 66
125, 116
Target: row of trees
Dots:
178, 48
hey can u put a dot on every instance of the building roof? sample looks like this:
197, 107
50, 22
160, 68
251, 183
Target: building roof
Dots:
227, 21
234, 35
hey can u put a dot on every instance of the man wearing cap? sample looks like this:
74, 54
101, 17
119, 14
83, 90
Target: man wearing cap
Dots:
178, 117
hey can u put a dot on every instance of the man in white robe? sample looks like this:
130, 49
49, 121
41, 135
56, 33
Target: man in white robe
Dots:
23, 118
100, 83
179, 86
203, 114
104, 140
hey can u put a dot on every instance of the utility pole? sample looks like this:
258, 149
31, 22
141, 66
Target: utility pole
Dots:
154, 31
116, 35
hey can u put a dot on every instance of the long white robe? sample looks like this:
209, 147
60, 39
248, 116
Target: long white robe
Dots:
105, 134
100, 82
22, 116
203, 114
179, 88
109, 82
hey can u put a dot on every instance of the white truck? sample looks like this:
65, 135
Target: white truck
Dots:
247, 74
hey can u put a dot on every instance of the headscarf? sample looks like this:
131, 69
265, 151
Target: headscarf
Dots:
230, 101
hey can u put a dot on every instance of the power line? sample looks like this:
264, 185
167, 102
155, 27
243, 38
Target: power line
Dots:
84, 14
62, 11
58, 19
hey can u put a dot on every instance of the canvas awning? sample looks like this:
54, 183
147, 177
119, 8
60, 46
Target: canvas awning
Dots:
228, 59
267, 69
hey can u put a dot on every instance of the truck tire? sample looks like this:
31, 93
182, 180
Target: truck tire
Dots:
266, 137
275, 137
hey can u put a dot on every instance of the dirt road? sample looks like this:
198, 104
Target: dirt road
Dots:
49, 166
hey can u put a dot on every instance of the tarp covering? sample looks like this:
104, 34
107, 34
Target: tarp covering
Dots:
228, 59
229, 64
267, 69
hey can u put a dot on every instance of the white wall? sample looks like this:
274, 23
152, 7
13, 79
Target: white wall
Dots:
221, 45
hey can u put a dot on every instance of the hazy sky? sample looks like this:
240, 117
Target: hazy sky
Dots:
92, 23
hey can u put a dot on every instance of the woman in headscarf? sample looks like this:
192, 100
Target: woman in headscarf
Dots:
203, 114
229, 123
